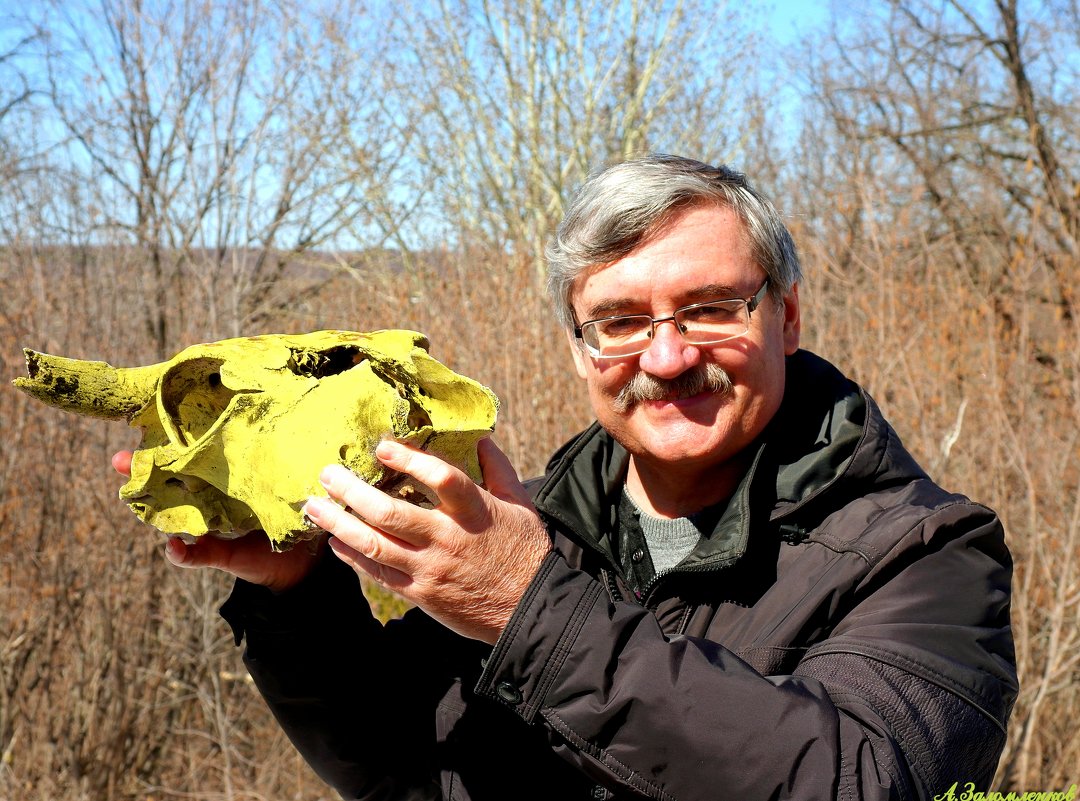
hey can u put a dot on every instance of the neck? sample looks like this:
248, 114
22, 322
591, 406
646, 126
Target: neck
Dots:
663, 490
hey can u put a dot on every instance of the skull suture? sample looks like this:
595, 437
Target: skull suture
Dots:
236, 432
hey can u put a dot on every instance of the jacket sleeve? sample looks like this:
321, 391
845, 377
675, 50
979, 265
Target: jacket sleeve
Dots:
911, 687
316, 653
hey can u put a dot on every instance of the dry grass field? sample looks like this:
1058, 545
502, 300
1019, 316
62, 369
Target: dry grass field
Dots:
119, 681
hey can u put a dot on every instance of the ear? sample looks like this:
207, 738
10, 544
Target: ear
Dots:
792, 320
581, 357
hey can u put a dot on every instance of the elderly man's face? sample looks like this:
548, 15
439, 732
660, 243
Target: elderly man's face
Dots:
703, 255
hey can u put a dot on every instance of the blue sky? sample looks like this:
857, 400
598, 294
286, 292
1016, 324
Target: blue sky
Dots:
787, 17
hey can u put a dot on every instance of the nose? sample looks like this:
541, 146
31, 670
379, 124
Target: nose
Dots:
668, 355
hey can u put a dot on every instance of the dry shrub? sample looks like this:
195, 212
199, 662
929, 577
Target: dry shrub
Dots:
977, 365
117, 677
119, 681
485, 318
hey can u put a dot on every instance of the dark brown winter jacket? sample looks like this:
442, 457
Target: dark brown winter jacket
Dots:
843, 632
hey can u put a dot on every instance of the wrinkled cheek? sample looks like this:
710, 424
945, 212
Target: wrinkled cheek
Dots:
755, 410
603, 399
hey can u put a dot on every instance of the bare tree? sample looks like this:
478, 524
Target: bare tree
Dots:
520, 100
218, 140
973, 112
19, 158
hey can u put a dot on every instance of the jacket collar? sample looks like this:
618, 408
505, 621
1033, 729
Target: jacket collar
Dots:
827, 441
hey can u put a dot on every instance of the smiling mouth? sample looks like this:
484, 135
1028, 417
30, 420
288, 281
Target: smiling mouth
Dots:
709, 378
681, 396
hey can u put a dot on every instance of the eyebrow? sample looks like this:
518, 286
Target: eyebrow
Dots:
617, 306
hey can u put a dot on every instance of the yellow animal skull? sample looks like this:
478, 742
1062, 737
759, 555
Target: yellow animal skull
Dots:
236, 432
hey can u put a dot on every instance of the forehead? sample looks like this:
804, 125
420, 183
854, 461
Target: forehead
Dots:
702, 254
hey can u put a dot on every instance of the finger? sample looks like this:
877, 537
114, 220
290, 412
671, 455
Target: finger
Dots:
250, 558
455, 490
176, 551
121, 462
388, 577
360, 536
500, 476
204, 552
211, 552
397, 518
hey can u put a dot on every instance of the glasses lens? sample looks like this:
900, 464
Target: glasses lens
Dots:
714, 322
619, 336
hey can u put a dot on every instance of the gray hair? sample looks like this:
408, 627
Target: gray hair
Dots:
618, 209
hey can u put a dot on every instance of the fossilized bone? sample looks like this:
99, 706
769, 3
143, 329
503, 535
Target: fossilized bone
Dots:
236, 432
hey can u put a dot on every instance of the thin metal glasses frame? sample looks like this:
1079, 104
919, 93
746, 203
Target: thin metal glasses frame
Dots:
751, 303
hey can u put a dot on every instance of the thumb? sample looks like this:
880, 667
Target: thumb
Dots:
176, 551
500, 477
204, 552
121, 462
249, 557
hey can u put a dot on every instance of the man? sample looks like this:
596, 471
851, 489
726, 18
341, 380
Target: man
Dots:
737, 584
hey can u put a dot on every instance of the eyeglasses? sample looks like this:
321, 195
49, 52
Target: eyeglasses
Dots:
699, 323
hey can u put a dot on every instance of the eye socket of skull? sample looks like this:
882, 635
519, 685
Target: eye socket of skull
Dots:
192, 399
314, 363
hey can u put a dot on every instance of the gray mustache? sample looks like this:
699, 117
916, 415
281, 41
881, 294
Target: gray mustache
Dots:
643, 387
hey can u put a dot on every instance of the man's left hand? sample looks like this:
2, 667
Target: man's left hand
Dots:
466, 562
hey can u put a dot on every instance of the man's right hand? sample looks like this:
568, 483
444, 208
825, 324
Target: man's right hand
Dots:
249, 557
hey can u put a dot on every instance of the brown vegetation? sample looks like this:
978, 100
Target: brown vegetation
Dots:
933, 194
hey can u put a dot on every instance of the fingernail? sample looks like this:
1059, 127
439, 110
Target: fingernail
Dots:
385, 448
176, 551
314, 508
332, 473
